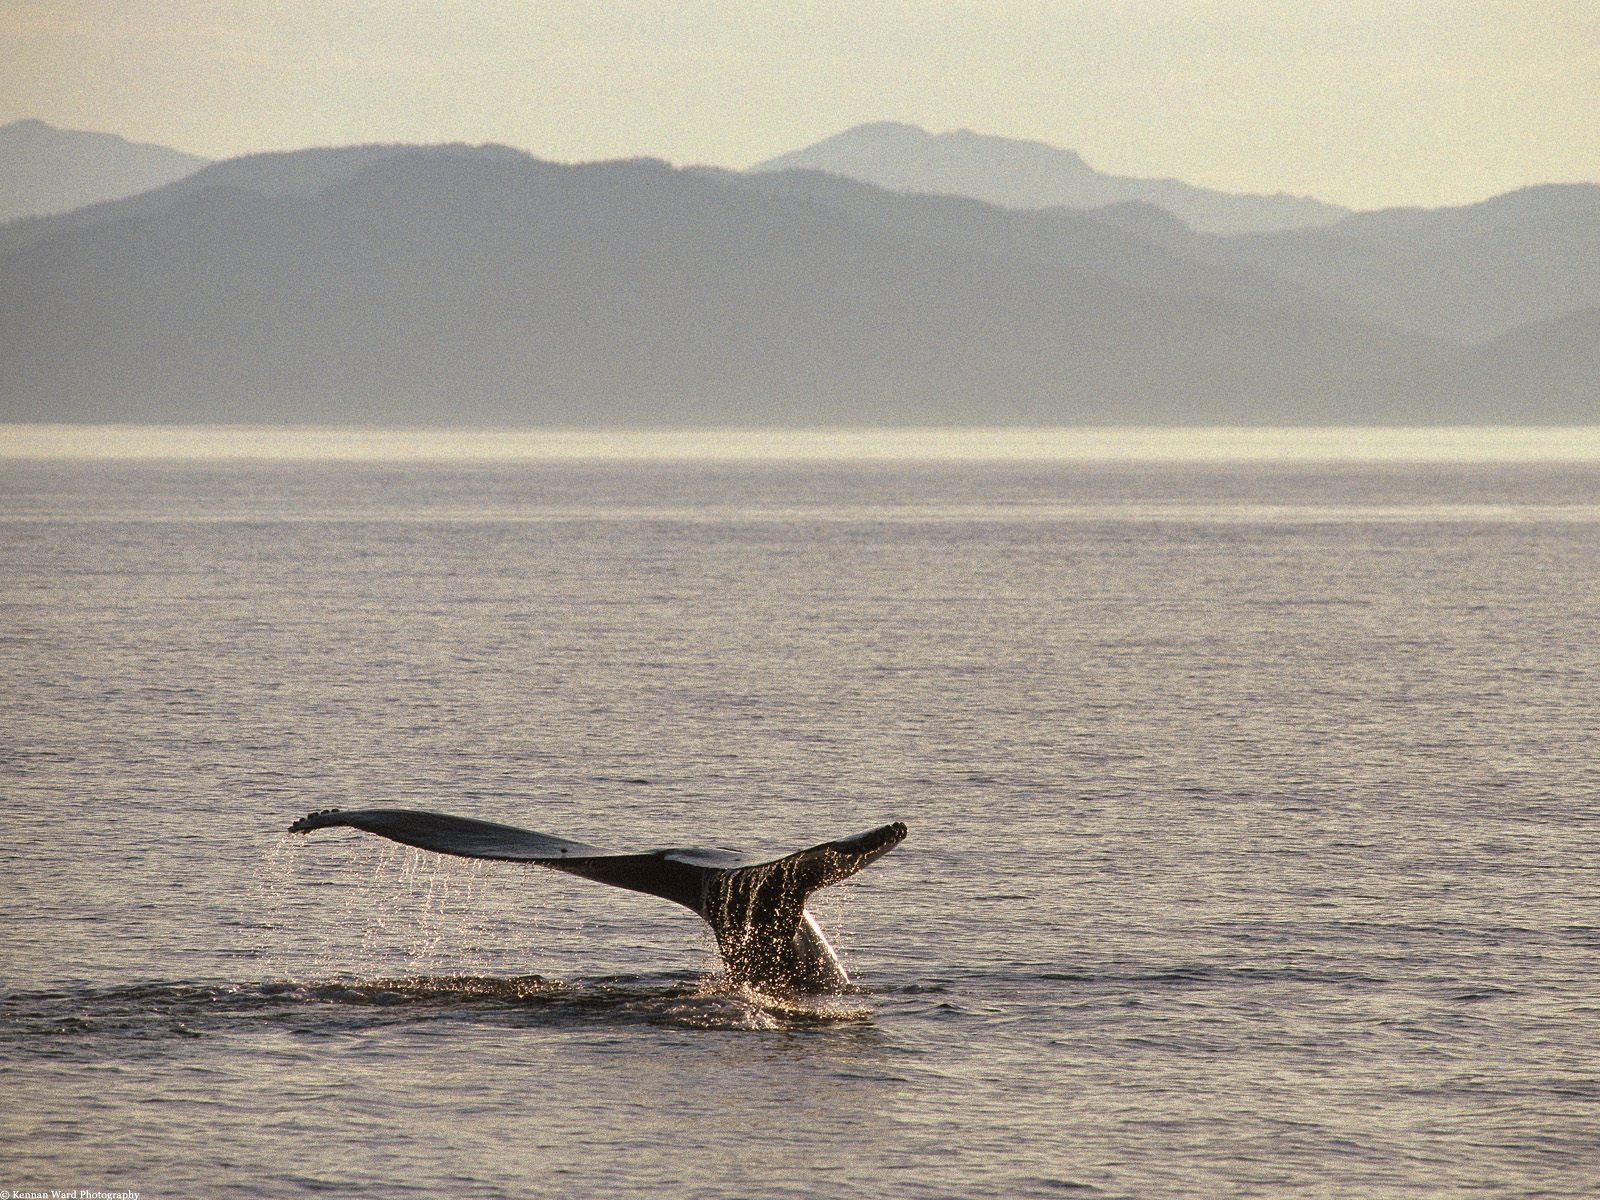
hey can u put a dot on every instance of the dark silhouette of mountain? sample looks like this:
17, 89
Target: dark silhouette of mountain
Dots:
472, 286
1023, 174
45, 170
1466, 273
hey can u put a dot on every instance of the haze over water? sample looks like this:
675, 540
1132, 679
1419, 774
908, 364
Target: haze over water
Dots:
1252, 811
1131, 444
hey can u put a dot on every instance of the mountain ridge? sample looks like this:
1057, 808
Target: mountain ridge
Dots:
1469, 272
272, 172
46, 170
454, 284
1020, 173
457, 286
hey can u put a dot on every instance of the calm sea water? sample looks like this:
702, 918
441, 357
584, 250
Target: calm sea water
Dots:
1253, 823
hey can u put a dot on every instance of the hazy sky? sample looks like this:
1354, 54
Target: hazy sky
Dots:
1365, 102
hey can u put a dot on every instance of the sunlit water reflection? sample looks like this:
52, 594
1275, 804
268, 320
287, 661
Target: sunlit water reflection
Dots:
1253, 814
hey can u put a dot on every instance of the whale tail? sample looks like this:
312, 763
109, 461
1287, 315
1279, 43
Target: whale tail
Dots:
756, 909
758, 912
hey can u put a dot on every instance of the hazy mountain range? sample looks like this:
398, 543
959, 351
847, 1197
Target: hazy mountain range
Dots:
45, 170
1020, 174
479, 285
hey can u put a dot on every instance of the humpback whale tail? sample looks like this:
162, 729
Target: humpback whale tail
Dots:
756, 909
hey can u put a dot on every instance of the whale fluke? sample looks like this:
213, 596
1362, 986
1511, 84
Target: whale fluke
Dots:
756, 908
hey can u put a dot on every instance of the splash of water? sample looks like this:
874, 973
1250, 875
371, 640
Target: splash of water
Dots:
391, 911
382, 911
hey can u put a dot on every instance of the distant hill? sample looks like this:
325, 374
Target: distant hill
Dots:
1143, 246
1467, 273
1023, 174
276, 173
44, 170
1547, 364
480, 286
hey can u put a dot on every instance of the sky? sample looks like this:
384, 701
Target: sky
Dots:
1362, 102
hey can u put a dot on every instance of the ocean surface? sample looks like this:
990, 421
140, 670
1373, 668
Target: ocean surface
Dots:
1253, 819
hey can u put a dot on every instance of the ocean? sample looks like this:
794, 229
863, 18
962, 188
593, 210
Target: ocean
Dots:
1253, 806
